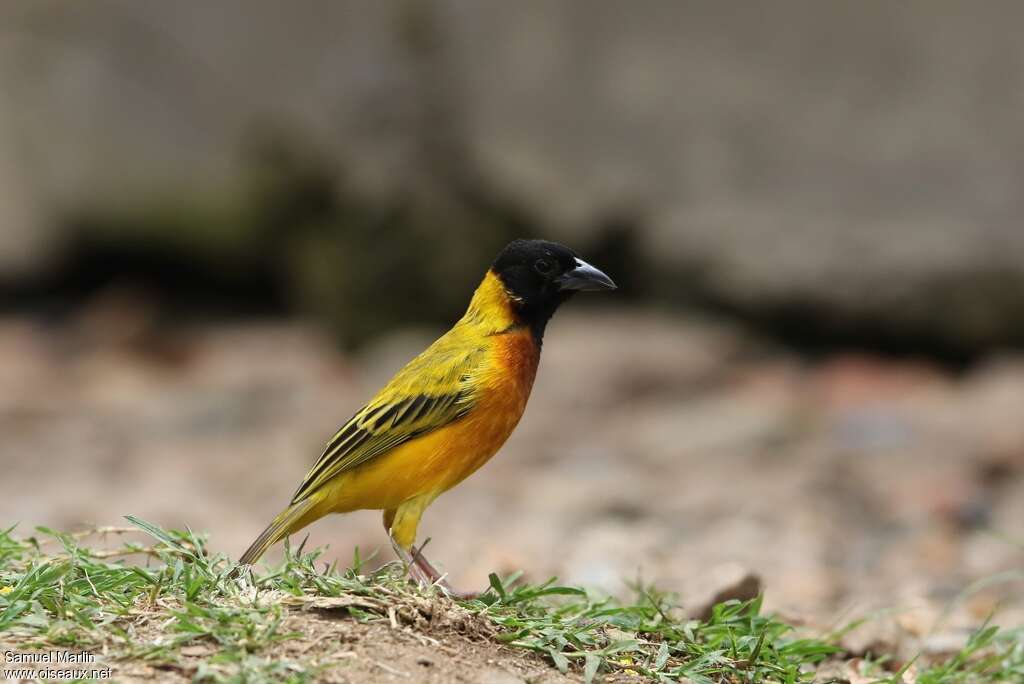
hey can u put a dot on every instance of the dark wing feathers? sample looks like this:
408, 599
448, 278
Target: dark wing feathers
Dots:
435, 389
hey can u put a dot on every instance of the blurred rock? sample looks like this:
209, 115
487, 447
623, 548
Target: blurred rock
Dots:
821, 170
821, 167
729, 582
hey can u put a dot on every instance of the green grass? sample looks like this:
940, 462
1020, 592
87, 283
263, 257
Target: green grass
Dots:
55, 591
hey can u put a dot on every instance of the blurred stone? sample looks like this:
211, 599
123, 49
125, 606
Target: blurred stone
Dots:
778, 172
117, 317
731, 583
821, 171
919, 620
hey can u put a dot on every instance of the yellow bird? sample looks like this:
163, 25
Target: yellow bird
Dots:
448, 411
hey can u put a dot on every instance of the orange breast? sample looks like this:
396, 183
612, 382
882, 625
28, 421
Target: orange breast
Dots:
439, 460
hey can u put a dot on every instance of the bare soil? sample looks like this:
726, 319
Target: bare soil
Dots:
449, 646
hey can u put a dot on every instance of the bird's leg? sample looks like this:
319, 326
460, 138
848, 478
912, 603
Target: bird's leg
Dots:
437, 578
416, 564
423, 564
408, 560
411, 567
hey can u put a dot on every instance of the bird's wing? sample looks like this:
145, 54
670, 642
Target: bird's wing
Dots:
434, 389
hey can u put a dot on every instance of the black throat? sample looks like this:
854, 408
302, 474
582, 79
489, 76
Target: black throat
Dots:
536, 314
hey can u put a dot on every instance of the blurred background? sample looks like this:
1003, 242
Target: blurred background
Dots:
224, 224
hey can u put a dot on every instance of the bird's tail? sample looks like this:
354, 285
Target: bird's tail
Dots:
285, 523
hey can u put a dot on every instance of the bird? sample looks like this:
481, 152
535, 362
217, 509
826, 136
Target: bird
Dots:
447, 412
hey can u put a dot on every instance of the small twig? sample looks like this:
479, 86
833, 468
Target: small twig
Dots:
93, 586
323, 637
657, 605
451, 651
442, 583
388, 668
104, 530
423, 638
113, 553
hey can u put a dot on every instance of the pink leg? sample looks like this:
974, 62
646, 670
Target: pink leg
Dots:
437, 579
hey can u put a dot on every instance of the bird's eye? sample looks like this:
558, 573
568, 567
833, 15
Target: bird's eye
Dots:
543, 266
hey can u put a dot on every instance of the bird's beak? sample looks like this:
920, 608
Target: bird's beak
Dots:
584, 277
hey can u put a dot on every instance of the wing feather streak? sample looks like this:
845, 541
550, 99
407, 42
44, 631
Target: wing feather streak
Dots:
432, 391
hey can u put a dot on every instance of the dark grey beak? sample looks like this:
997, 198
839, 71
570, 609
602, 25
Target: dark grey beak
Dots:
584, 277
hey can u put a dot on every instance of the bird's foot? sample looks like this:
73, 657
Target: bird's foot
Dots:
421, 571
435, 578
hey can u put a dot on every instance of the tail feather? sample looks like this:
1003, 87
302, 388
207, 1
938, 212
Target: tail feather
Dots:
284, 524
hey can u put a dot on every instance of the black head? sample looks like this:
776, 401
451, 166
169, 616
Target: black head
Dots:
539, 275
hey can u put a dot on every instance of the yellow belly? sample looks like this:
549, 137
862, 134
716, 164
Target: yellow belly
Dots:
430, 464
439, 460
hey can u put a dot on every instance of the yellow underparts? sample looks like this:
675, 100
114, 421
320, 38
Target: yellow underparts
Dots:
407, 479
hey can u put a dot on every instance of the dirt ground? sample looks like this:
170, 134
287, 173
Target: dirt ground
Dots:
451, 651
435, 642
676, 451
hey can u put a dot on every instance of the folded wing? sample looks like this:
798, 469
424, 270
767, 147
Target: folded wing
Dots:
435, 389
